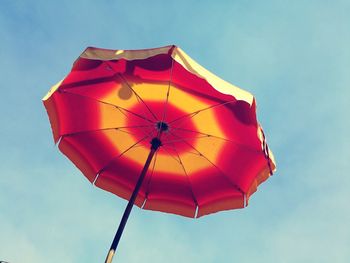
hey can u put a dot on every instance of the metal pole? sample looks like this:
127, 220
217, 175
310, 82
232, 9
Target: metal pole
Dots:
155, 145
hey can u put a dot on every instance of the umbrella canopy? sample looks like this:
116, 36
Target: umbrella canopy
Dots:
212, 153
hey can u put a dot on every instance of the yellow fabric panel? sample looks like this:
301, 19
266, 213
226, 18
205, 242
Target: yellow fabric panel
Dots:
149, 91
138, 155
157, 92
194, 163
111, 117
119, 139
210, 147
168, 162
206, 122
122, 96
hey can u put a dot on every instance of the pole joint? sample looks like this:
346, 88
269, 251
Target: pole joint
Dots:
156, 143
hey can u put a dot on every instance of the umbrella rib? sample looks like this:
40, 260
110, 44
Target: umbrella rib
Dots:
217, 137
185, 139
144, 132
110, 104
207, 134
192, 114
220, 171
167, 94
121, 154
106, 129
170, 154
147, 133
188, 179
106, 79
137, 96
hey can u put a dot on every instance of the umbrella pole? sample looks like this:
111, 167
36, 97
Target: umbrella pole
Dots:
155, 145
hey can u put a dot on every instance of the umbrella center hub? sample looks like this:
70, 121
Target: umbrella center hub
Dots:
162, 126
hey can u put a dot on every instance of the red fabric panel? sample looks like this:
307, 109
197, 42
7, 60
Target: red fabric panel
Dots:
52, 112
170, 206
87, 72
94, 147
224, 203
238, 129
76, 113
78, 159
170, 187
120, 176
110, 183
241, 165
211, 185
155, 68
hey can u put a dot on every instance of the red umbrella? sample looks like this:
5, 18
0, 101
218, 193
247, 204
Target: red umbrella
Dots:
157, 129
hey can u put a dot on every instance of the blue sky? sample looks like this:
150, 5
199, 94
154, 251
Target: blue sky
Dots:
293, 56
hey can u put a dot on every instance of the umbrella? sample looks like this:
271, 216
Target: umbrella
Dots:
157, 129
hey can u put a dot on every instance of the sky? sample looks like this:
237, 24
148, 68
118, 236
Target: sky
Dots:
293, 56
